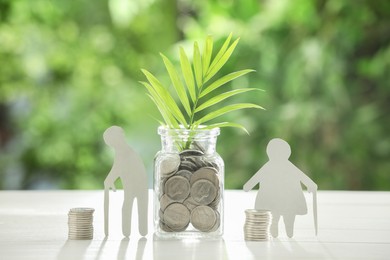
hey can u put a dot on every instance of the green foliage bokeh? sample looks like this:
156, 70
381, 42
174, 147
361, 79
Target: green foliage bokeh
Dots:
68, 70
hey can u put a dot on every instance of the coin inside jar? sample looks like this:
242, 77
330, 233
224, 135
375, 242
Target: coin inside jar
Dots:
203, 218
184, 173
169, 164
177, 188
165, 201
187, 153
207, 173
177, 216
203, 192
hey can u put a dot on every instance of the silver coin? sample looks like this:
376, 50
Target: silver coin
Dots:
80, 226
217, 222
195, 160
253, 220
80, 213
82, 210
256, 239
177, 188
165, 201
205, 173
177, 216
165, 227
80, 233
169, 165
80, 219
215, 203
187, 153
184, 173
190, 203
257, 212
161, 215
162, 186
198, 146
80, 238
83, 222
187, 165
203, 191
256, 234
201, 162
71, 237
75, 220
203, 218
256, 226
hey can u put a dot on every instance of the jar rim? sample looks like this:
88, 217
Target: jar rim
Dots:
165, 130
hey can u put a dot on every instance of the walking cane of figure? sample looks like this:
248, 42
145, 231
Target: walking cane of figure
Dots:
280, 188
315, 211
129, 167
106, 209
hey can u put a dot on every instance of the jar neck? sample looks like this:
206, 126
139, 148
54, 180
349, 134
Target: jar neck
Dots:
177, 140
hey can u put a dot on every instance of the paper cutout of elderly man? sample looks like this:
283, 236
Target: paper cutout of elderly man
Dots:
128, 166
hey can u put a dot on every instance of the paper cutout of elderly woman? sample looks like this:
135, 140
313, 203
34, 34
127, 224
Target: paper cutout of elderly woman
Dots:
280, 188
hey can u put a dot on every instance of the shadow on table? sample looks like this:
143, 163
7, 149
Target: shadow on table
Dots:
189, 249
125, 244
74, 249
122, 251
277, 248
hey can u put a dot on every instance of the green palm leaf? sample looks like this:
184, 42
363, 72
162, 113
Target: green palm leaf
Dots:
225, 79
161, 106
207, 52
223, 96
225, 110
198, 66
218, 65
226, 124
166, 97
187, 73
177, 84
221, 52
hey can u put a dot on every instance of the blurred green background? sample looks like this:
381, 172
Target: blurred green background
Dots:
70, 69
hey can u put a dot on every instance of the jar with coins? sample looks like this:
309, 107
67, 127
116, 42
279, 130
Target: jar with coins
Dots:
188, 184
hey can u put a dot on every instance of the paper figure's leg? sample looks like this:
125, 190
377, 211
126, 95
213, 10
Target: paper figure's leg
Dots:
126, 215
289, 224
142, 202
274, 225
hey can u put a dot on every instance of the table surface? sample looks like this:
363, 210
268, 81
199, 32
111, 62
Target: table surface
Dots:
352, 225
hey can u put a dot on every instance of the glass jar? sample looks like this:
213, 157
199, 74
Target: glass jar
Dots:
188, 184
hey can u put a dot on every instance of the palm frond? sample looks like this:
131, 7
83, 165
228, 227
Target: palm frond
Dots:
225, 110
215, 100
177, 84
194, 94
187, 74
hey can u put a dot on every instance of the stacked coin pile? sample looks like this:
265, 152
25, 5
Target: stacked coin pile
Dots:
257, 225
190, 192
80, 223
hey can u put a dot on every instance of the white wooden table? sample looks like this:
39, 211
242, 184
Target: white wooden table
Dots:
352, 225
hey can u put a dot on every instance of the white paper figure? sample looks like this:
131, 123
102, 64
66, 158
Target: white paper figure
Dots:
280, 188
128, 166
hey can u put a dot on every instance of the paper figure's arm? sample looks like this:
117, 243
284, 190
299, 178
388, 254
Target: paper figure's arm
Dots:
109, 182
256, 178
309, 183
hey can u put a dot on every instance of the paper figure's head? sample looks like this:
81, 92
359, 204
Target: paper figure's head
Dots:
114, 136
278, 149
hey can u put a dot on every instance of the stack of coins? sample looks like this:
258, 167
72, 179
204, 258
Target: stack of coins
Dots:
190, 192
80, 223
257, 225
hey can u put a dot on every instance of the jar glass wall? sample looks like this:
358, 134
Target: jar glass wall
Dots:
188, 184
